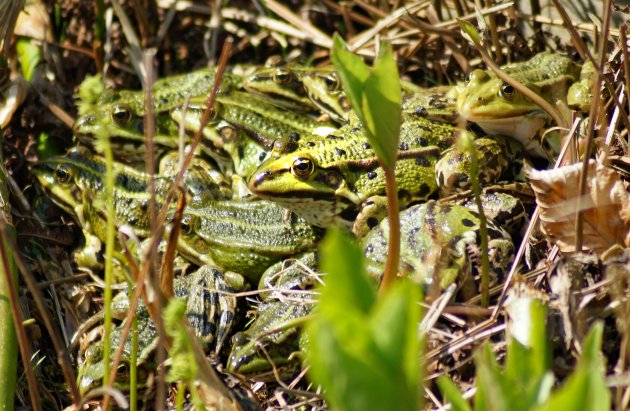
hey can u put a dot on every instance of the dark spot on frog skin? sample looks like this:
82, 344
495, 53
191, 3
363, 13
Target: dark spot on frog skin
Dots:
333, 137
467, 223
310, 144
371, 175
424, 190
422, 162
403, 147
444, 144
423, 142
421, 111
340, 152
294, 136
366, 146
372, 222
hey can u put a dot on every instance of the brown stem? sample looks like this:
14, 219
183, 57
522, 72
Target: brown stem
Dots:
393, 247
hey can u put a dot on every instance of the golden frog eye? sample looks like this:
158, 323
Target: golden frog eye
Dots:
507, 92
63, 174
332, 82
121, 114
302, 167
282, 76
188, 225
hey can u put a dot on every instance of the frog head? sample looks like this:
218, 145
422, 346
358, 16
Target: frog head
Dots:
297, 181
282, 85
498, 107
324, 89
65, 177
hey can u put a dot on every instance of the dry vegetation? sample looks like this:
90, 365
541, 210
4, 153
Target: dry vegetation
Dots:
579, 287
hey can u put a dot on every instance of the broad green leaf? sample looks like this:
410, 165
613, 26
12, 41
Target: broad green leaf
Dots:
353, 72
527, 367
347, 284
491, 394
398, 313
351, 378
469, 32
29, 56
452, 395
381, 106
586, 388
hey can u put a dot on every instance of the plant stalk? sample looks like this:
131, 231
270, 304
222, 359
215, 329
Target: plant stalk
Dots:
393, 215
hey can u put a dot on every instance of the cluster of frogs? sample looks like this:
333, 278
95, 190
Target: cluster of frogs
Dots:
282, 158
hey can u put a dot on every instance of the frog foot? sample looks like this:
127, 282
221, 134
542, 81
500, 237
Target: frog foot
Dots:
373, 210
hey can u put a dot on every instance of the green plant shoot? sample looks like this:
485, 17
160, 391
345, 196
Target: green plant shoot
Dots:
376, 97
363, 351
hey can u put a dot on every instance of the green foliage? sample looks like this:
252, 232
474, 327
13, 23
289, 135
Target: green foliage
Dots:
184, 365
29, 55
89, 91
375, 96
364, 352
525, 383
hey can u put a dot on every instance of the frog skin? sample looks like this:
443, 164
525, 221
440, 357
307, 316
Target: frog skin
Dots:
261, 119
282, 85
321, 179
325, 91
244, 237
201, 289
580, 93
273, 334
499, 108
440, 238
167, 93
67, 178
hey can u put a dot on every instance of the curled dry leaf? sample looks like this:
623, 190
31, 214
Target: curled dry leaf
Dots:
557, 195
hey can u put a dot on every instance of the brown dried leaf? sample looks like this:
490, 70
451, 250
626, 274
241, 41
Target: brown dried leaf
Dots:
557, 195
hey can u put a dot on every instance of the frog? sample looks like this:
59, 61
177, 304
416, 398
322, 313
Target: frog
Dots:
273, 336
325, 91
580, 94
200, 289
325, 180
498, 108
282, 85
439, 247
244, 237
440, 238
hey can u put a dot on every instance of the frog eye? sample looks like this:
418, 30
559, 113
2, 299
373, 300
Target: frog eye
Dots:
228, 134
507, 92
302, 167
239, 339
188, 225
63, 174
332, 82
121, 114
123, 370
282, 76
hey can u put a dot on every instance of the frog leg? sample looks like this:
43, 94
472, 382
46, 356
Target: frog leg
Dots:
373, 210
494, 155
210, 304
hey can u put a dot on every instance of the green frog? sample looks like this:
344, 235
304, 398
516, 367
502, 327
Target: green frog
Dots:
201, 289
324, 180
273, 335
440, 244
499, 108
244, 237
282, 85
325, 91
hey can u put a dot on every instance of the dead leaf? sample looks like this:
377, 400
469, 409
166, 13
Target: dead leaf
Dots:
557, 196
